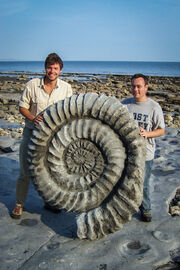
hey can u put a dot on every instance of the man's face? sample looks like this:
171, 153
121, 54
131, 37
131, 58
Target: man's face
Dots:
139, 89
53, 71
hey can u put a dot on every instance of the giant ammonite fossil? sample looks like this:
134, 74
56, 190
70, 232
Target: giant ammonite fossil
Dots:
87, 157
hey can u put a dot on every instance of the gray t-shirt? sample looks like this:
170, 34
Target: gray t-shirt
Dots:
149, 116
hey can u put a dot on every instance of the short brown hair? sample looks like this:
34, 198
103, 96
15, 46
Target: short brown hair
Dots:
139, 75
52, 59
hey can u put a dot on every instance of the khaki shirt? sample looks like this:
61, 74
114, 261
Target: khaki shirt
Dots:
36, 99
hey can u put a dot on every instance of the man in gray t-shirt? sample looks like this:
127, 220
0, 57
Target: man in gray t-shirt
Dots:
149, 116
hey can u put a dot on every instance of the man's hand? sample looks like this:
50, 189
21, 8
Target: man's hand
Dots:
151, 134
143, 133
38, 119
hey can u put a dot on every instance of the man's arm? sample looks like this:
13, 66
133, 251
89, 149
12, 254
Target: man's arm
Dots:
26, 113
152, 134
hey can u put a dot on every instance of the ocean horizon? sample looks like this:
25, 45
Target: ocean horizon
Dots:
97, 67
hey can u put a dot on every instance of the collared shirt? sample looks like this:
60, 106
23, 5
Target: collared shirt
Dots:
36, 99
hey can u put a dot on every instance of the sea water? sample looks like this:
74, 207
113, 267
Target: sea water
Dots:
97, 67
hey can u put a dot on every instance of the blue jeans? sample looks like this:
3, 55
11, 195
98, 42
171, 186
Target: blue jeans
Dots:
146, 202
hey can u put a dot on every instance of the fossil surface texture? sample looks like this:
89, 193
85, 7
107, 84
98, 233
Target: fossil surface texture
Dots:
87, 157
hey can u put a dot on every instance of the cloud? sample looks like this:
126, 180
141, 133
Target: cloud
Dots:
10, 7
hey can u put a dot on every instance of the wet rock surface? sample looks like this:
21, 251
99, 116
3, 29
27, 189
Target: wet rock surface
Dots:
45, 240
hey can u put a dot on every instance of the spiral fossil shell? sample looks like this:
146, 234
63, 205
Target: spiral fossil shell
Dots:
87, 157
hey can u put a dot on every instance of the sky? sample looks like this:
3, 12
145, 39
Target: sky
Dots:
90, 30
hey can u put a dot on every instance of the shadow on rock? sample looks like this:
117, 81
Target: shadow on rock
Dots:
62, 223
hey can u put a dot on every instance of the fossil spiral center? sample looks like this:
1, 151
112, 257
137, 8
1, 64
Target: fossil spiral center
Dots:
82, 157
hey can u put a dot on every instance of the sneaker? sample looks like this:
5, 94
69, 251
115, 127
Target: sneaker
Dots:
51, 208
146, 216
17, 211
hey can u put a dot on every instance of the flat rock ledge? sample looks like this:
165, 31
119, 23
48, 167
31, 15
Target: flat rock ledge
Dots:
44, 240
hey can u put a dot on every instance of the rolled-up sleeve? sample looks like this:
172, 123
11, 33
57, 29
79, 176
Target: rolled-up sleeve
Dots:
25, 99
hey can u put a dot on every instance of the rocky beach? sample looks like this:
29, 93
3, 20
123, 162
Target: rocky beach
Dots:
44, 240
164, 90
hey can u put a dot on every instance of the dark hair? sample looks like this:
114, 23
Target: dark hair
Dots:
139, 75
52, 59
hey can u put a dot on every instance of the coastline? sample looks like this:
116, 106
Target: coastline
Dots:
163, 89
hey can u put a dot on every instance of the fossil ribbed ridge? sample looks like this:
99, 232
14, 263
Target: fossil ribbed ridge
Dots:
87, 157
